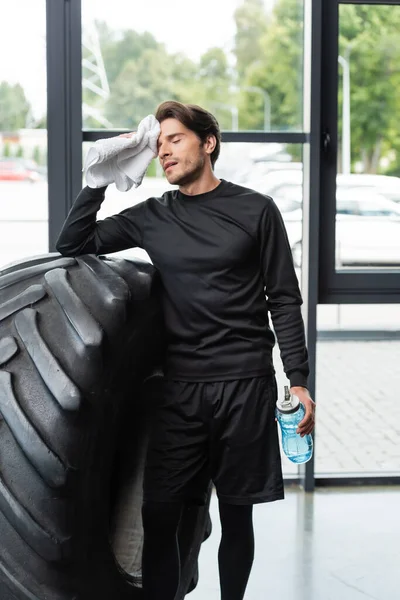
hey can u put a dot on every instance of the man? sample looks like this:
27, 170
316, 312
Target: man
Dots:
225, 262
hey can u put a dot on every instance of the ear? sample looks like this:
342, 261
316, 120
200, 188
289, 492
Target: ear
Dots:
210, 144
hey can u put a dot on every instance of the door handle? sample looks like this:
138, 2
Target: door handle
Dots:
326, 141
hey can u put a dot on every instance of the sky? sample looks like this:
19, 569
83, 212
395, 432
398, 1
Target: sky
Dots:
178, 23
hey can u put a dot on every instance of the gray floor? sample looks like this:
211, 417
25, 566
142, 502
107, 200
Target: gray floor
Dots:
331, 545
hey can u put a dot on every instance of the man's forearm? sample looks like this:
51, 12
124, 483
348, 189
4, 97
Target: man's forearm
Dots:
76, 236
289, 328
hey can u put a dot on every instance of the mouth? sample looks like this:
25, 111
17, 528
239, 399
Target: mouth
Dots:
169, 166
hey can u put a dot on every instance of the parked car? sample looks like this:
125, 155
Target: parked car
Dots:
254, 174
286, 184
15, 169
385, 185
283, 185
367, 229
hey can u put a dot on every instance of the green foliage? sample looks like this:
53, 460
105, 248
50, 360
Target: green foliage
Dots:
369, 41
14, 107
211, 87
251, 24
141, 84
7, 150
118, 49
41, 123
37, 155
20, 152
152, 169
262, 87
278, 70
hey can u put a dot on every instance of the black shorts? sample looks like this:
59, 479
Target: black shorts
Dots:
222, 431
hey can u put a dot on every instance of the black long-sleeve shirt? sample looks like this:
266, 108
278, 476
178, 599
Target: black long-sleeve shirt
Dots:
219, 255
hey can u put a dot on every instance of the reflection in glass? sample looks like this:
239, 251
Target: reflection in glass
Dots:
368, 183
23, 134
247, 70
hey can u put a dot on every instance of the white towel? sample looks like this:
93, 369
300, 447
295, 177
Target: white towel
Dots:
123, 161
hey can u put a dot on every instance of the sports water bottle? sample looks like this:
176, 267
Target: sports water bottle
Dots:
289, 412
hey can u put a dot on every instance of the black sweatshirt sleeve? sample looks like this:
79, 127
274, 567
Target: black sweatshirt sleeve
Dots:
82, 234
283, 294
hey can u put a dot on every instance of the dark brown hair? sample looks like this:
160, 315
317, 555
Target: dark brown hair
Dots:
195, 118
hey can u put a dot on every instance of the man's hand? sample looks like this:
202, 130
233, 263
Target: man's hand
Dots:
307, 424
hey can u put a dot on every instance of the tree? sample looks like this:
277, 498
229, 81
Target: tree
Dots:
7, 150
141, 85
277, 71
251, 21
37, 155
141, 74
369, 41
14, 107
117, 48
155, 76
212, 87
41, 122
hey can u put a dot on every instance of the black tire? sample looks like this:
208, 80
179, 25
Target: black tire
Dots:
80, 341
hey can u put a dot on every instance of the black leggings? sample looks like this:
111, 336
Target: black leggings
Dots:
161, 565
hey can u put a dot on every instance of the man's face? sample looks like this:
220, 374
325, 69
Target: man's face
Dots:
181, 148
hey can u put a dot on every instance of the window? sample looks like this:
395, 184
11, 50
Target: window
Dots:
243, 61
23, 133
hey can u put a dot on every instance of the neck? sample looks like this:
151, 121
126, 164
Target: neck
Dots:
205, 183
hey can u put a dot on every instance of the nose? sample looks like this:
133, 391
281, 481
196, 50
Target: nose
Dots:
163, 150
